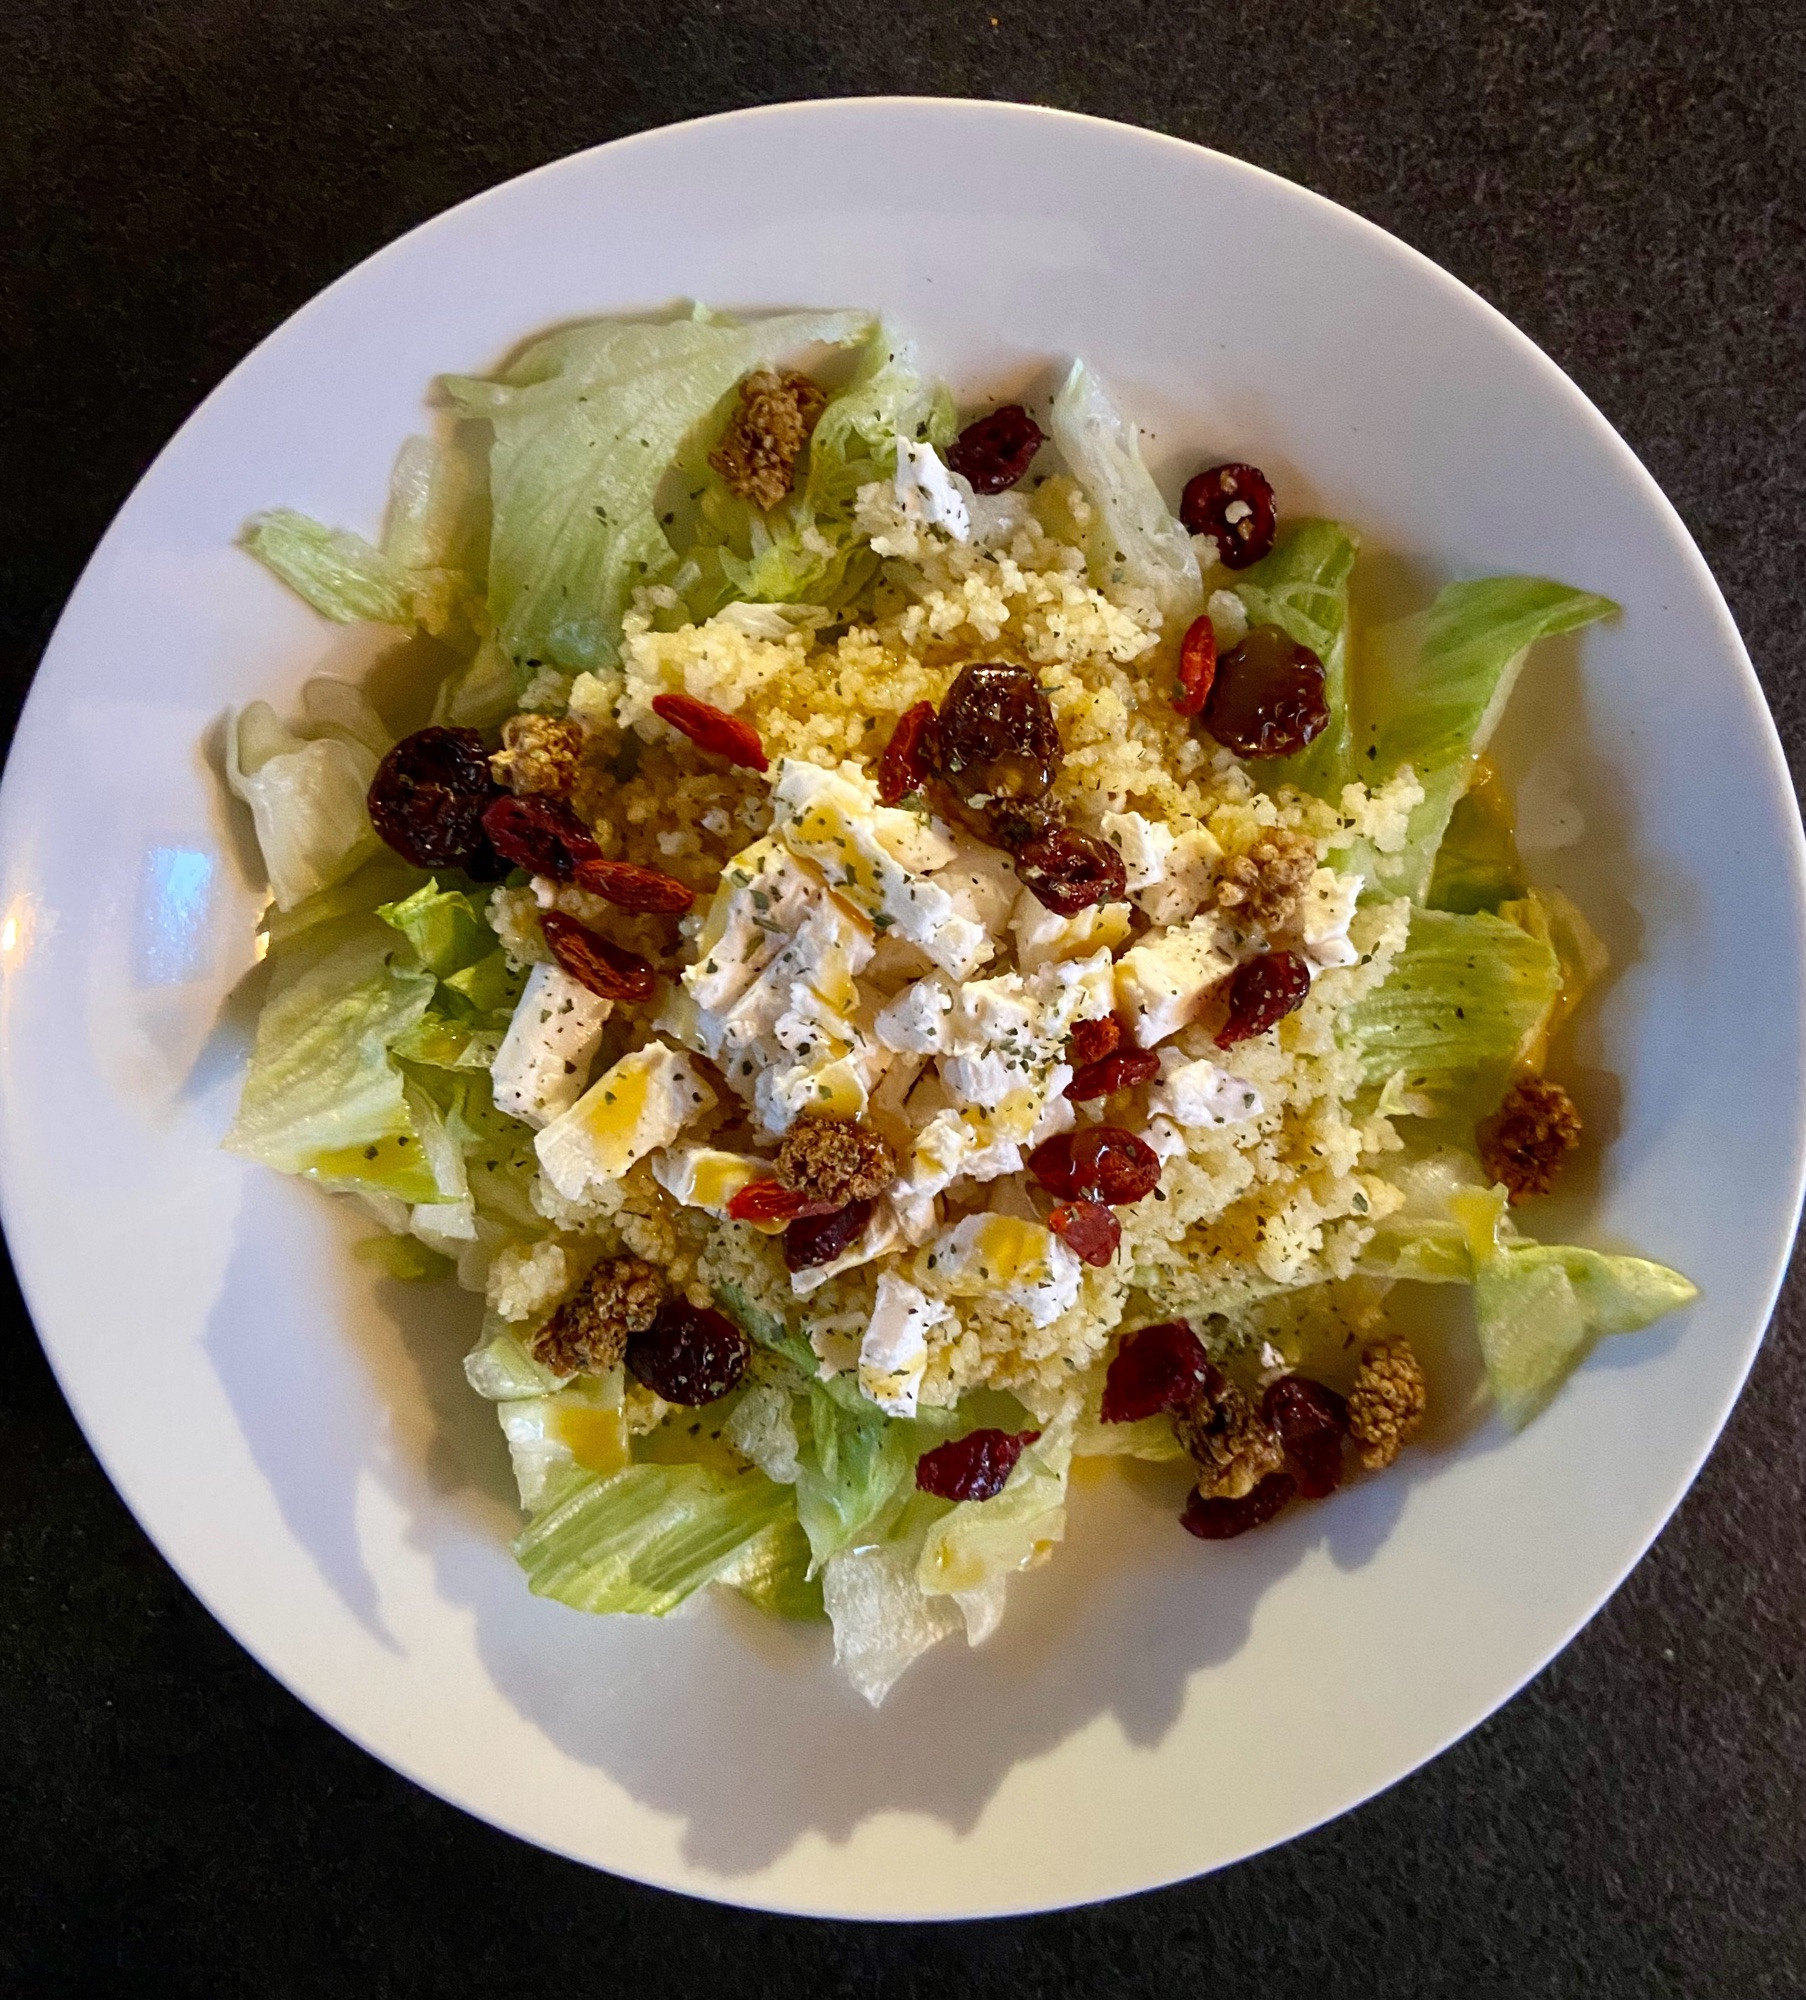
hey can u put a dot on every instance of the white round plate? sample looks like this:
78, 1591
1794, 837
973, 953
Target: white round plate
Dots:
297, 1435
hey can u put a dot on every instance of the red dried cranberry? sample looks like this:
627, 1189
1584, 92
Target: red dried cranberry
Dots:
1121, 1071
772, 1201
631, 887
1197, 666
1069, 871
1233, 504
975, 1467
596, 962
819, 1239
1093, 1040
1109, 1164
541, 835
996, 451
1312, 1422
1219, 1520
1268, 698
994, 742
1088, 1230
1262, 992
1159, 1368
906, 760
428, 797
689, 1354
712, 729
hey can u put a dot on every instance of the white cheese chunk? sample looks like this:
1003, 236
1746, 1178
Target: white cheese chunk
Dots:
893, 1356
917, 1021
1145, 846
544, 1060
982, 883
1325, 912
764, 894
1191, 867
831, 819
926, 491
1166, 981
1201, 1093
628, 1112
883, 1234
1043, 936
1005, 1257
707, 1177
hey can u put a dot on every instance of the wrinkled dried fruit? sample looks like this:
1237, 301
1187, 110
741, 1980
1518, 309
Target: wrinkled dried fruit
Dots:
1088, 1230
630, 887
1102, 1163
772, 1201
429, 795
819, 1239
1121, 1071
974, 1467
689, 1354
712, 729
1069, 871
596, 962
1262, 992
1268, 698
1091, 1041
1216, 1520
1311, 1421
1158, 1368
906, 761
1233, 504
1197, 666
993, 453
541, 835
994, 740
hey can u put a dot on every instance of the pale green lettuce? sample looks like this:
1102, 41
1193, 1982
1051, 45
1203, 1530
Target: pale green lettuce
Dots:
1301, 585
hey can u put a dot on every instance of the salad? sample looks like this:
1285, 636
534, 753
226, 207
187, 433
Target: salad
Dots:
894, 962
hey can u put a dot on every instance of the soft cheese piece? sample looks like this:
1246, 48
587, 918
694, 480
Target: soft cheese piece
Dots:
894, 1352
544, 1060
1005, 1257
628, 1112
1201, 1093
1164, 982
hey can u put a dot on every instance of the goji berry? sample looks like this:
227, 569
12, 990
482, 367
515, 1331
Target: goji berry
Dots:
772, 1201
596, 962
1088, 1230
906, 760
1262, 993
1197, 666
1157, 1368
974, 1467
1122, 1070
631, 887
541, 835
1093, 1040
712, 729
1102, 1163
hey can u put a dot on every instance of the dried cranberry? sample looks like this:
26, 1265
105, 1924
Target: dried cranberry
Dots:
996, 451
772, 1201
712, 729
596, 962
689, 1354
428, 797
1262, 992
1121, 1071
541, 835
1088, 1230
993, 742
906, 760
1091, 1041
1197, 666
1069, 871
1159, 1368
1109, 1164
1268, 698
975, 1467
1219, 1520
819, 1239
1233, 504
631, 887
1311, 1421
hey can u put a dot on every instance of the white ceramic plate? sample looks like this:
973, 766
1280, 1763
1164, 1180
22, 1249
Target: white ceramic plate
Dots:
299, 1440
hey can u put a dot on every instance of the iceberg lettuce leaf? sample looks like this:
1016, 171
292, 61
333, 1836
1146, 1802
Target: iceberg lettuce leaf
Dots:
980, 1543
307, 802
340, 574
445, 926
586, 424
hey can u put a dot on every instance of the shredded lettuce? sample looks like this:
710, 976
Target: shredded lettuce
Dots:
1580, 956
1477, 862
1301, 585
340, 574
1462, 1003
1432, 689
448, 931
1134, 538
586, 424
982, 1543
501, 1370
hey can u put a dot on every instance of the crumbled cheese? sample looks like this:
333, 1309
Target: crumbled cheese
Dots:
1021, 1263
927, 493
706, 1177
1165, 981
917, 1021
1325, 911
1201, 1093
893, 1356
631, 1110
543, 1063
883, 1234
1146, 848
1042, 934
1228, 618
1191, 868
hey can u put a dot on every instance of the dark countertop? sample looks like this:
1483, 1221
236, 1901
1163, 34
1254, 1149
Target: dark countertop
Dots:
1624, 181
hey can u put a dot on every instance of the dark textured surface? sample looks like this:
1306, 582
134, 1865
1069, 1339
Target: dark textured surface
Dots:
1625, 182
